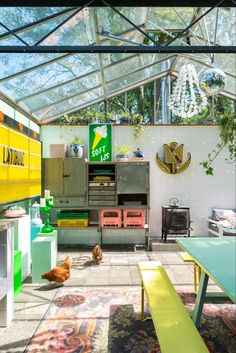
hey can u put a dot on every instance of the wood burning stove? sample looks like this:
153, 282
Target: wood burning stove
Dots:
175, 220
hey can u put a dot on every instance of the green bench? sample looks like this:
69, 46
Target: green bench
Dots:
175, 329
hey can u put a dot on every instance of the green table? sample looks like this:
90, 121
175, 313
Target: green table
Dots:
217, 259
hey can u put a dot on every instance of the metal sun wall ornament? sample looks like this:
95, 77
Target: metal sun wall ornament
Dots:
173, 159
212, 81
187, 99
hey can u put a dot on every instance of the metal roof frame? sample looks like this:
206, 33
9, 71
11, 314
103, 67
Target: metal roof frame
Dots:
98, 48
118, 49
157, 48
113, 94
72, 80
122, 3
100, 85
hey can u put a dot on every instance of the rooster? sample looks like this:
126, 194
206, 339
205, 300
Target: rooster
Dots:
60, 273
97, 254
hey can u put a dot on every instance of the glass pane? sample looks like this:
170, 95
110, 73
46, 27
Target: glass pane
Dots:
168, 19
11, 41
65, 91
226, 62
2, 30
226, 30
138, 77
32, 35
111, 58
226, 26
79, 30
50, 75
112, 22
131, 65
71, 104
14, 17
14, 63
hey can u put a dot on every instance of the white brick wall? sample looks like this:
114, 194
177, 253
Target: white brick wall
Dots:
192, 187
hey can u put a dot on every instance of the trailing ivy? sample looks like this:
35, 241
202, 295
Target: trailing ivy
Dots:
227, 125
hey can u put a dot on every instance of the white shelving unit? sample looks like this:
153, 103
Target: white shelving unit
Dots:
22, 242
6, 271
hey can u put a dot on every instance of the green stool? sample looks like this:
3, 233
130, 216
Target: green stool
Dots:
17, 273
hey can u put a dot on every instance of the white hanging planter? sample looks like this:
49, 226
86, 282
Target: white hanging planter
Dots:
187, 99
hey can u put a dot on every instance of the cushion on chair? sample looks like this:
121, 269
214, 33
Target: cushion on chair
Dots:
227, 219
219, 213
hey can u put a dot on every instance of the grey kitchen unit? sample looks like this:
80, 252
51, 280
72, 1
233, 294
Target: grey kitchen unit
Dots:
66, 180
80, 185
133, 183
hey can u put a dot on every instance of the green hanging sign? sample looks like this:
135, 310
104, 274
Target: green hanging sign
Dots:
100, 142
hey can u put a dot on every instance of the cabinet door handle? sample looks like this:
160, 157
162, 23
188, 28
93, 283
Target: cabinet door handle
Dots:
66, 175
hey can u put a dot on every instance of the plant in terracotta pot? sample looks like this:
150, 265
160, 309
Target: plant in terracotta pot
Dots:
77, 147
123, 153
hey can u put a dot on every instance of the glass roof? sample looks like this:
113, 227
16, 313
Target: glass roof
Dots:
49, 85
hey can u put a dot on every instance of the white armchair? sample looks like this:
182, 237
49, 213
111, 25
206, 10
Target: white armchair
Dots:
223, 222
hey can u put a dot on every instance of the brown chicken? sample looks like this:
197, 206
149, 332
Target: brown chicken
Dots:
97, 254
60, 273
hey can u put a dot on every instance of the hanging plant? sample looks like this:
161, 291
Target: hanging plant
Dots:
187, 99
227, 124
138, 130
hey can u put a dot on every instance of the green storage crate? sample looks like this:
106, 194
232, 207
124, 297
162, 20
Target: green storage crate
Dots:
73, 214
17, 273
73, 218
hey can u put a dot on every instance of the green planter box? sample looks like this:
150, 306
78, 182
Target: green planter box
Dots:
17, 273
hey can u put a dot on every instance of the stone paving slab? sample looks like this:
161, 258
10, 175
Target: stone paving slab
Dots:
118, 269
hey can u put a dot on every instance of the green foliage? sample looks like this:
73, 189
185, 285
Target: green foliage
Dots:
138, 130
123, 149
227, 125
78, 140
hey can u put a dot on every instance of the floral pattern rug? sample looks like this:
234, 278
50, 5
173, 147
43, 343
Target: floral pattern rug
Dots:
107, 320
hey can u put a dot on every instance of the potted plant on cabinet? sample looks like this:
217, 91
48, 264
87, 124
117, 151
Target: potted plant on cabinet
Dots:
123, 153
77, 147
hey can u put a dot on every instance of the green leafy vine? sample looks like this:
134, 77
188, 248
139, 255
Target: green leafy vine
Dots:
227, 125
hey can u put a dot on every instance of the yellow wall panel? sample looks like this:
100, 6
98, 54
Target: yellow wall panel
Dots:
20, 166
4, 135
35, 175
35, 147
35, 161
3, 173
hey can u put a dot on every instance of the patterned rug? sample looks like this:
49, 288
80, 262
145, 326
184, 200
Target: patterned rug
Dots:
103, 320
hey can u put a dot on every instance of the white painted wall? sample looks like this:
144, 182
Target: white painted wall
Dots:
192, 187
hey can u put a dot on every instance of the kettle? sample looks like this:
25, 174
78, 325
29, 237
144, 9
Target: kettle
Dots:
174, 202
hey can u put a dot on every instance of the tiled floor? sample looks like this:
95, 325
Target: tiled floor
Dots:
118, 268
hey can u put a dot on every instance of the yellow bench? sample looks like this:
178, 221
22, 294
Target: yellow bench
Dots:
175, 329
196, 269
